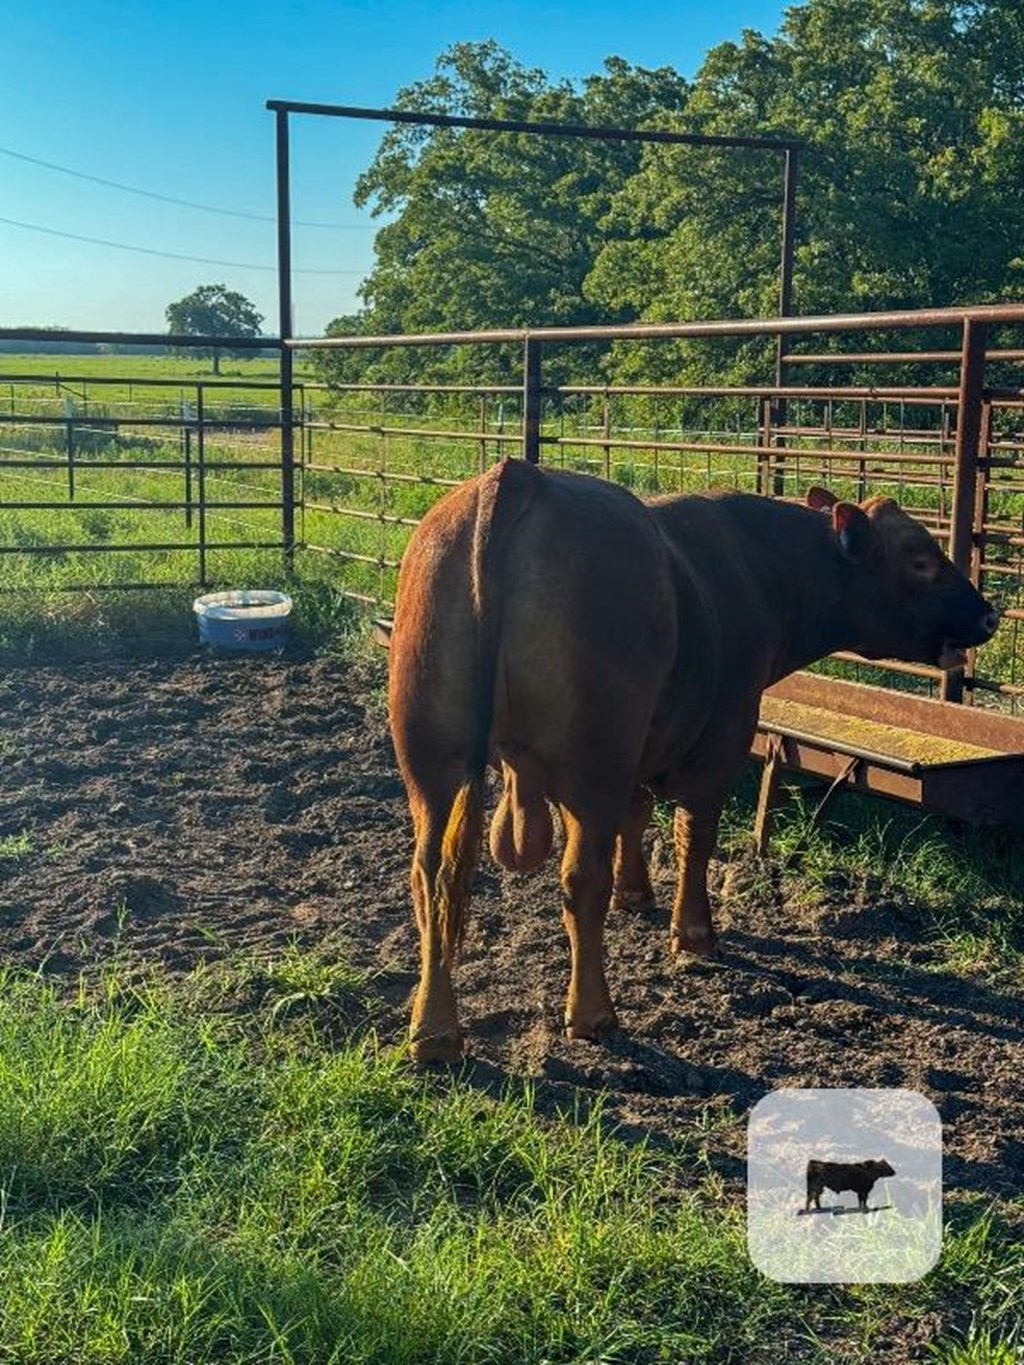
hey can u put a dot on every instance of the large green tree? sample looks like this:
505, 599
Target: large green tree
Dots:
496, 229
214, 310
909, 195
912, 112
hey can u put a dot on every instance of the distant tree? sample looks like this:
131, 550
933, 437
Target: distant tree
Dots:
339, 366
36, 346
214, 310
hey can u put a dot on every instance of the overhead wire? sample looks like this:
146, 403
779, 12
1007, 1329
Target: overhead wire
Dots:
182, 203
167, 255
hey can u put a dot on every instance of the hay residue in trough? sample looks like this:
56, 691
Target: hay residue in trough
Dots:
912, 746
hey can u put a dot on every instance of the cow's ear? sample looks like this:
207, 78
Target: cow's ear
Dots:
855, 532
820, 499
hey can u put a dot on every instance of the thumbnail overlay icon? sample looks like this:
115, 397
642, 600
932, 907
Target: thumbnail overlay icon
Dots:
844, 1186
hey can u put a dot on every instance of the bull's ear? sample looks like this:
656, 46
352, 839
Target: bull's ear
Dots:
820, 499
855, 532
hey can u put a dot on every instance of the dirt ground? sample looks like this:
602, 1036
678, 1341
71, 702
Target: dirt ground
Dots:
194, 806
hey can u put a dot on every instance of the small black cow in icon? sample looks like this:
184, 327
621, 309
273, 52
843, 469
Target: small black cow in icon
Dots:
859, 1176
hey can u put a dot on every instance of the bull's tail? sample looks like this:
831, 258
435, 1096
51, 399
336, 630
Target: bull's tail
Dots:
454, 880
504, 495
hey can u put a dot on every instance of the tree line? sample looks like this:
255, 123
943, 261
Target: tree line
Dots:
910, 192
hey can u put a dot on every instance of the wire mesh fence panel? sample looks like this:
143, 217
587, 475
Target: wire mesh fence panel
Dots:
376, 459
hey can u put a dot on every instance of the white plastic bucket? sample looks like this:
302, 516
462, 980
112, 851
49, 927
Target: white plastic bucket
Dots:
252, 618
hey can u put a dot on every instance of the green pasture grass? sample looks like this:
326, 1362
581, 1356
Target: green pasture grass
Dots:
144, 366
192, 1171
109, 386
980, 1347
61, 626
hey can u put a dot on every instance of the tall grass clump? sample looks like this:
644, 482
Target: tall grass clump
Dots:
960, 886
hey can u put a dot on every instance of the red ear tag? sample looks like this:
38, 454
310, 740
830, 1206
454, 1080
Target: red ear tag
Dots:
852, 528
844, 514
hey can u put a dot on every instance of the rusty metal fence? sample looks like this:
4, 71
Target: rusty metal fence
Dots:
135, 479
940, 429
114, 480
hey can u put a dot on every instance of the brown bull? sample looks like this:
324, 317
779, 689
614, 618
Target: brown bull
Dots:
602, 651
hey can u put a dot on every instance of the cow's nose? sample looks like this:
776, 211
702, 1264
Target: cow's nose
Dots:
990, 620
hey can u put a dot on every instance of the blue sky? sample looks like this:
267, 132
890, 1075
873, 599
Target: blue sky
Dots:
169, 97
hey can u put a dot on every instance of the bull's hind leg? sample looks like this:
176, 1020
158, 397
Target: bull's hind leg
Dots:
700, 795
586, 887
696, 832
632, 889
434, 1032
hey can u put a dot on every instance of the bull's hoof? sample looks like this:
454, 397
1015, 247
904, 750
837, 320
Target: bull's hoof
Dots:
634, 903
437, 1047
696, 942
592, 1030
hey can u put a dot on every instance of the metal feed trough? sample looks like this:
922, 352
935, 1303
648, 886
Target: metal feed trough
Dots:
956, 760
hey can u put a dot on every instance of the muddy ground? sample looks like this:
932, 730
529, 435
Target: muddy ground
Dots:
199, 805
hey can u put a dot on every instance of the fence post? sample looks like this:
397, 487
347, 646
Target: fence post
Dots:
981, 492
69, 444
186, 435
305, 458
764, 442
285, 358
531, 400
965, 467
786, 263
606, 432
201, 480
862, 445
781, 413
980, 521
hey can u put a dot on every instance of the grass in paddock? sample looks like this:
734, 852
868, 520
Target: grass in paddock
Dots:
227, 1166
67, 627
189, 369
211, 1168
961, 886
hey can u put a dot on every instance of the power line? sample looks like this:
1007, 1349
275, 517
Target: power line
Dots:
169, 255
182, 203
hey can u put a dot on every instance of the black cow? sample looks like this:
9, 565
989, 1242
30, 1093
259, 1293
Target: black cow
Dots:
859, 1176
